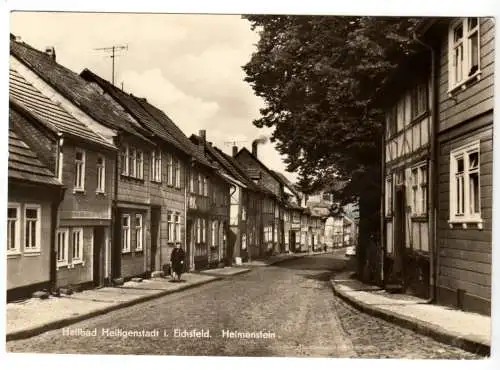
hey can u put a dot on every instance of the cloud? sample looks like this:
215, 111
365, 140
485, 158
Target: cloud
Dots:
189, 112
187, 65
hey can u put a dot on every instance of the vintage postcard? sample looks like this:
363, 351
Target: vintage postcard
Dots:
250, 185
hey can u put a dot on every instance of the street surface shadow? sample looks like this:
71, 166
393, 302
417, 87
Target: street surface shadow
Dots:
176, 281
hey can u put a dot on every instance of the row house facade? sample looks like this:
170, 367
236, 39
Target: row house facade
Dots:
126, 247
79, 158
209, 211
168, 166
438, 207
272, 202
34, 195
243, 234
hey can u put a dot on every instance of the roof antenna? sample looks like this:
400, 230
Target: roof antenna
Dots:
113, 55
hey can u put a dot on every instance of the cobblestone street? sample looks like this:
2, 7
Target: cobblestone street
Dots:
294, 300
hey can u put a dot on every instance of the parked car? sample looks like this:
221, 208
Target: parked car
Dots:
350, 251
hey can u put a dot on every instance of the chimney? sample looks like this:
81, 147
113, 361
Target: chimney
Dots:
254, 148
235, 151
51, 51
203, 138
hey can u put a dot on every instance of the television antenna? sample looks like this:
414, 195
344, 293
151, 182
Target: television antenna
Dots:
113, 49
234, 142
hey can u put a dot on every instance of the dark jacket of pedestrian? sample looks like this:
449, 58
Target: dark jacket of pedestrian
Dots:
177, 261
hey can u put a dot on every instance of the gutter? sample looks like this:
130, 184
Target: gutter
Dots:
114, 216
383, 245
433, 173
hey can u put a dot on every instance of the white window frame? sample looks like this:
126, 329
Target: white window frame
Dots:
156, 166
178, 173
64, 232
389, 201
139, 232
203, 230
79, 256
467, 217
200, 184
419, 189
465, 43
170, 170
101, 174
198, 230
139, 172
214, 233
17, 230
243, 241
79, 183
177, 221
132, 167
125, 155
191, 181
125, 244
38, 228
170, 227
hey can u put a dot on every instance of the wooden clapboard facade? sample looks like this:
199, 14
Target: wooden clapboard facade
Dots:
465, 74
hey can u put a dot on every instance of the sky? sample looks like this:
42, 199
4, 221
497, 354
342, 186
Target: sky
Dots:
188, 65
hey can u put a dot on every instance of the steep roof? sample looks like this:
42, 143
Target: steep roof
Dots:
287, 183
24, 163
50, 113
76, 89
132, 105
173, 129
271, 172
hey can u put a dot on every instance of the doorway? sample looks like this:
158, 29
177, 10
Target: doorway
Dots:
155, 234
98, 256
399, 233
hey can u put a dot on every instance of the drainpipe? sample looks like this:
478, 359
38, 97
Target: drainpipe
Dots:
383, 246
433, 173
114, 217
187, 175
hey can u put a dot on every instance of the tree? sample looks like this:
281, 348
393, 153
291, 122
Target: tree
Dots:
318, 76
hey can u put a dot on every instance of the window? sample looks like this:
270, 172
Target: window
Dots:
205, 186
125, 160
243, 212
178, 227
139, 173
13, 228
388, 196
214, 233
170, 227
419, 190
138, 232
125, 233
32, 230
170, 172
101, 174
132, 162
203, 230
243, 241
62, 247
391, 121
178, 173
465, 197
77, 242
156, 165
198, 230
419, 100
60, 164
200, 184
268, 233
463, 51
79, 170
191, 182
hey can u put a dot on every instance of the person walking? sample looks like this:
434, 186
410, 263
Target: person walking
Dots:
177, 261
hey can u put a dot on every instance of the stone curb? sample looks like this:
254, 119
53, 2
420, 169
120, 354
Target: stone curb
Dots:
208, 273
57, 324
416, 325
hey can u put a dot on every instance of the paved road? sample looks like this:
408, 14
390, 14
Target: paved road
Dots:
292, 301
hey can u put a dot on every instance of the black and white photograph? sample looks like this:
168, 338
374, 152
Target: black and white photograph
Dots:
249, 185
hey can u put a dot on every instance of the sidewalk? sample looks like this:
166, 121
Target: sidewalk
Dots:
35, 316
469, 331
